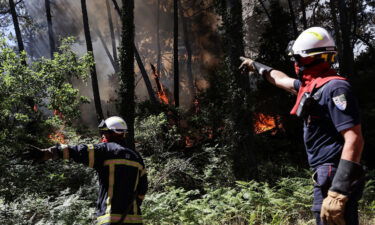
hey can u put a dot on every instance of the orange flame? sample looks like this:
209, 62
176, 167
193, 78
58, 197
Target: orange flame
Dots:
57, 137
264, 123
188, 142
163, 97
161, 92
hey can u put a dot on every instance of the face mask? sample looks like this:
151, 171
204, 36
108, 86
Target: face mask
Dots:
303, 64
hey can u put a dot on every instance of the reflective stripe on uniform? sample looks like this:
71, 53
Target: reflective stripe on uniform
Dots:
91, 152
112, 218
111, 183
135, 205
123, 162
143, 172
65, 152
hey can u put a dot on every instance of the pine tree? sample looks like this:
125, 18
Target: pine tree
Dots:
126, 93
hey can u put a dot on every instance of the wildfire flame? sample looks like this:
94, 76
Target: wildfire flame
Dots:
161, 92
265, 123
57, 137
163, 97
188, 142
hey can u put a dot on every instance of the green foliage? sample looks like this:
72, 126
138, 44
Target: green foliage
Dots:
153, 135
53, 192
247, 203
156, 139
288, 202
68, 208
27, 91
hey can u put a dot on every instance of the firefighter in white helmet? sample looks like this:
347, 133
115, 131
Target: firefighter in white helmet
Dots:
332, 127
121, 172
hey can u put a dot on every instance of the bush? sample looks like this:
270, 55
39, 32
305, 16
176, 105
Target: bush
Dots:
29, 91
288, 202
246, 203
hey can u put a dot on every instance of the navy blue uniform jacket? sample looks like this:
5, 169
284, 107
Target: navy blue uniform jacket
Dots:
122, 179
337, 110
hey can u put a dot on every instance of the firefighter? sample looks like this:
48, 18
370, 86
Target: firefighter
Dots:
332, 127
121, 171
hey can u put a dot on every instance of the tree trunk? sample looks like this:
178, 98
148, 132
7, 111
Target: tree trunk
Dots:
94, 79
303, 10
266, 11
16, 26
127, 102
347, 68
145, 77
111, 59
139, 61
188, 51
50, 29
158, 64
293, 18
113, 39
336, 27
241, 114
117, 8
175, 53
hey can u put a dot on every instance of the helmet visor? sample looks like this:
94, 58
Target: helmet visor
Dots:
103, 127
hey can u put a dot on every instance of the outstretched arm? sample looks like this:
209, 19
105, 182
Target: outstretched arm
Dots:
275, 77
281, 80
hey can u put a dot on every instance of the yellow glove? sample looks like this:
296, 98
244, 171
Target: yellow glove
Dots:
333, 208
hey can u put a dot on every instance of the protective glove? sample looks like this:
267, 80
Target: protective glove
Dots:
41, 155
249, 65
333, 208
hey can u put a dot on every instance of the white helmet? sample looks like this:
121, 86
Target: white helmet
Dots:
115, 124
313, 41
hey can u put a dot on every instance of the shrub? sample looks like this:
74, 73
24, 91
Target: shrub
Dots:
288, 202
27, 91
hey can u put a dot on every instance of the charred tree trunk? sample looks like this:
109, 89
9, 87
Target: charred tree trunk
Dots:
145, 78
111, 59
113, 38
293, 18
175, 54
188, 51
266, 11
336, 27
244, 166
117, 8
127, 102
303, 10
158, 61
94, 78
16, 25
347, 66
50, 29
139, 60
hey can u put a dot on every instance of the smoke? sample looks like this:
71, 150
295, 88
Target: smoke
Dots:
67, 21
